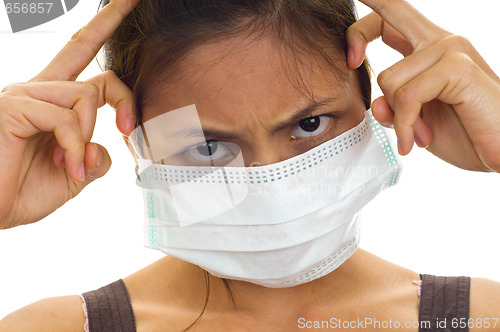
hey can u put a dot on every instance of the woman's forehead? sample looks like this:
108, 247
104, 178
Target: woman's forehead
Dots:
246, 73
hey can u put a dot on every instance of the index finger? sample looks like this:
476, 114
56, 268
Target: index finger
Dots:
403, 17
84, 45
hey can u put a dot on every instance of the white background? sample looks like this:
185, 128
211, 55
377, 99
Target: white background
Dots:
438, 220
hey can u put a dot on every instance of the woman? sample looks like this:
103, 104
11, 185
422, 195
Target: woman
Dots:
171, 293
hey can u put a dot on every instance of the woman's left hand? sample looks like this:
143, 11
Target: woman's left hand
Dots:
442, 95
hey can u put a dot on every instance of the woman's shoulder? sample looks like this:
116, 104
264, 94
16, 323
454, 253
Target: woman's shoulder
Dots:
461, 303
484, 304
54, 314
66, 313
166, 293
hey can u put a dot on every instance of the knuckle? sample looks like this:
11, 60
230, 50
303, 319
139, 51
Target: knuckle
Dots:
108, 77
6, 88
461, 64
110, 74
387, 78
10, 88
89, 90
3, 110
354, 33
69, 118
3, 99
382, 5
76, 35
458, 43
3, 105
404, 94
6, 101
111, 78
81, 39
469, 67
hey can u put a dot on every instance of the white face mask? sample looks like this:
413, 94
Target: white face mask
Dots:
278, 225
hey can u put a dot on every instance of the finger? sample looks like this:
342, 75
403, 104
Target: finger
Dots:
382, 112
12, 150
415, 27
119, 96
84, 45
366, 30
411, 66
58, 157
97, 164
459, 44
359, 35
29, 117
81, 97
423, 134
92, 160
393, 78
434, 83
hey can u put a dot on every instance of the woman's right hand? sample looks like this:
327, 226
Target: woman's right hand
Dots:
46, 125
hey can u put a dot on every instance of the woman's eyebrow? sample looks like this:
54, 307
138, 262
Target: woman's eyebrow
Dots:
301, 114
222, 134
204, 133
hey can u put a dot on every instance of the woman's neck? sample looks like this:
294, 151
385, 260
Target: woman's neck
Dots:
360, 285
348, 283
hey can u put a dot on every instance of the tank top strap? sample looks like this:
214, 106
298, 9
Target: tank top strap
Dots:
109, 309
444, 304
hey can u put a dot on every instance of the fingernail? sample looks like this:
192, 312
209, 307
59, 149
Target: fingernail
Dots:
59, 154
81, 173
350, 56
130, 123
418, 142
388, 125
98, 163
400, 147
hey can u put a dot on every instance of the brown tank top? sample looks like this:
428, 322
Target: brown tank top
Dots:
444, 305
109, 309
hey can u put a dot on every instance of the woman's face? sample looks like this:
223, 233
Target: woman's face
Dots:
259, 98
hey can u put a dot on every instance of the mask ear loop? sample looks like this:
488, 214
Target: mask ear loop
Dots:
137, 173
134, 154
143, 146
146, 142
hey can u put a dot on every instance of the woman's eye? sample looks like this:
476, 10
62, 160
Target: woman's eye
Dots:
208, 149
210, 152
312, 126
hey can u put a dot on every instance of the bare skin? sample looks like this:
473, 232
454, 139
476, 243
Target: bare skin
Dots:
169, 294
360, 285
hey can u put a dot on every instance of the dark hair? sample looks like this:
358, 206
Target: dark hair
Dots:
158, 34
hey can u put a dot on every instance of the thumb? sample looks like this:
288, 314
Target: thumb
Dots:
359, 35
97, 163
356, 49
